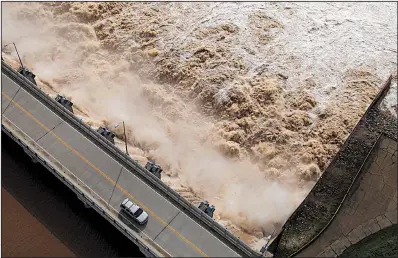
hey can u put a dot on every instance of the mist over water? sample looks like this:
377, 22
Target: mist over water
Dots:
242, 104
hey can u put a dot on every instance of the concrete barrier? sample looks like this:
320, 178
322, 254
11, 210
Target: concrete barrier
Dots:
191, 210
82, 191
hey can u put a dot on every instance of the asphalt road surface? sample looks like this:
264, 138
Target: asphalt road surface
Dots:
42, 217
170, 228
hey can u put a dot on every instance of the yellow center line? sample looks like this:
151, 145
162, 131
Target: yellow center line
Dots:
79, 180
105, 176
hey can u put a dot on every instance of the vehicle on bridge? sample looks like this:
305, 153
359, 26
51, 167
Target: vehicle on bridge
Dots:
23, 70
206, 208
107, 134
64, 102
28, 74
134, 211
154, 169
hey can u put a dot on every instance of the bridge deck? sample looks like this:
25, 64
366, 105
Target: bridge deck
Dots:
169, 227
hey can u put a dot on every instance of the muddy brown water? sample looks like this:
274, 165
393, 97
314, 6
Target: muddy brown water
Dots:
42, 217
271, 80
19, 227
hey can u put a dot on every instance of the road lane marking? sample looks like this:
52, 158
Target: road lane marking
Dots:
77, 178
106, 177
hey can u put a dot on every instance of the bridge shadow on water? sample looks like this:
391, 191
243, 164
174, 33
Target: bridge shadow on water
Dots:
82, 230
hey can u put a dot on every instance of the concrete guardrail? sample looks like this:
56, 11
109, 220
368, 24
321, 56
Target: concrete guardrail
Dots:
128, 162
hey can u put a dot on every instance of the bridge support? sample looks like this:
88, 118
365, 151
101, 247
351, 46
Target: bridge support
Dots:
40, 157
81, 198
30, 154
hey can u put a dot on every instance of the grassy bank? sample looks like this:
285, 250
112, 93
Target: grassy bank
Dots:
383, 243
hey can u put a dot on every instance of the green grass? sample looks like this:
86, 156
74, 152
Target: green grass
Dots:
383, 243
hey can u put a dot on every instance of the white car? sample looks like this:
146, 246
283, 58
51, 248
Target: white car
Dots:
132, 209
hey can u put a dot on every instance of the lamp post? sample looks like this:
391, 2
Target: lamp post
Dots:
125, 137
265, 247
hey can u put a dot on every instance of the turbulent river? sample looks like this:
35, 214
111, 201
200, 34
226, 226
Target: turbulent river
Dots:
242, 104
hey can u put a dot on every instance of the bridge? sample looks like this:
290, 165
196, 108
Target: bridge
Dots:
102, 176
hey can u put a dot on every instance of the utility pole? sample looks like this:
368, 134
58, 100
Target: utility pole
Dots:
125, 138
20, 61
265, 247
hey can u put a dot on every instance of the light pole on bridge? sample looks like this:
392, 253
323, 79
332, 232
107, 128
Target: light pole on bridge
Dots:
124, 132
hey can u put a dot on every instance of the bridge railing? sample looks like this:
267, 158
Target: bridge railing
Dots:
128, 162
83, 191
